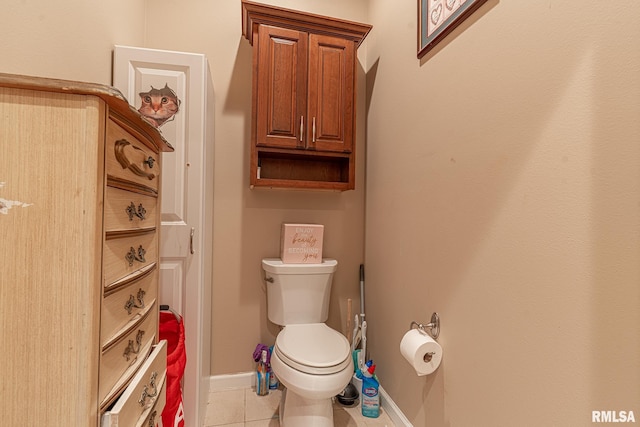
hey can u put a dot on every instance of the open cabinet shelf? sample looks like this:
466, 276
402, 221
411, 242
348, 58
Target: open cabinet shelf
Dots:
322, 171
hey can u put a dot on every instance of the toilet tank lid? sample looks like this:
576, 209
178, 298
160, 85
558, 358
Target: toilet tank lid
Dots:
276, 266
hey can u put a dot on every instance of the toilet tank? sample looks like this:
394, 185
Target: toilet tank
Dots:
298, 293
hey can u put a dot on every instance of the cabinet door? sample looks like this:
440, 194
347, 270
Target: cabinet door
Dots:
331, 93
281, 85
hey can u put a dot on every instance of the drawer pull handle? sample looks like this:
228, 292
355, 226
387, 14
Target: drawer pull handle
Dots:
145, 392
133, 348
150, 161
134, 255
121, 157
314, 130
152, 419
301, 127
132, 211
131, 302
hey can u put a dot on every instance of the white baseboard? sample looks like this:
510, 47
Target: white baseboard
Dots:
232, 381
248, 379
392, 410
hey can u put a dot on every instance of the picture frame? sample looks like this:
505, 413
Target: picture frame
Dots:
437, 18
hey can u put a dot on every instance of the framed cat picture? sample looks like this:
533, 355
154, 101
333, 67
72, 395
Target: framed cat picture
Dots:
159, 106
437, 18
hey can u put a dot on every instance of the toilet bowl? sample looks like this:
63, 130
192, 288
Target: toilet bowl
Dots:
314, 363
310, 359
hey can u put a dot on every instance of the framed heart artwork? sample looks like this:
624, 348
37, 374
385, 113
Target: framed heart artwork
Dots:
437, 18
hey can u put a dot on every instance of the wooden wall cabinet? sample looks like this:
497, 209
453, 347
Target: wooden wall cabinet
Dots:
304, 98
79, 220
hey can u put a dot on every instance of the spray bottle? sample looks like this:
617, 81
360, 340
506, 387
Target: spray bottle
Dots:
262, 375
370, 397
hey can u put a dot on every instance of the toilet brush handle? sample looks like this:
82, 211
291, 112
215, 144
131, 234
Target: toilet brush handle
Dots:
349, 314
362, 291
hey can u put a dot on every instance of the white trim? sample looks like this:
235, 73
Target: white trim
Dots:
390, 407
248, 379
232, 381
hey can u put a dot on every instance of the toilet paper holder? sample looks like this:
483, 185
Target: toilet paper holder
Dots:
432, 328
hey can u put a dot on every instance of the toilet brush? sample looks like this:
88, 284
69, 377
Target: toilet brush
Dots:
349, 395
362, 357
349, 313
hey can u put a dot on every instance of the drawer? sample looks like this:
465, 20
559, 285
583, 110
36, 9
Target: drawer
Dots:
120, 361
122, 308
126, 255
145, 395
126, 210
129, 160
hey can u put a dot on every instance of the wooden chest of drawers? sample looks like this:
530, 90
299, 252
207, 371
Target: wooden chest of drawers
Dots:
79, 225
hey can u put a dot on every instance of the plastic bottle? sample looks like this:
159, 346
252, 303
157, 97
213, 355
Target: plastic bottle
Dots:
273, 379
262, 376
370, 403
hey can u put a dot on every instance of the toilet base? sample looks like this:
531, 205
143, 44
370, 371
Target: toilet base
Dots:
297, 411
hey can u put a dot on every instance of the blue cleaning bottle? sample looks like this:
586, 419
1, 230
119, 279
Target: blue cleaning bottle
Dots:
370, 404
273, 380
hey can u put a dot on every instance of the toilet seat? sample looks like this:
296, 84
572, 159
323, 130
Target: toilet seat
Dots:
313, 348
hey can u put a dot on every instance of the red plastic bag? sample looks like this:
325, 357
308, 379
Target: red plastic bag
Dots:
172, 330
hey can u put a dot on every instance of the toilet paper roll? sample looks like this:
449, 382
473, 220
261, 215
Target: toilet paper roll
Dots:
421, 351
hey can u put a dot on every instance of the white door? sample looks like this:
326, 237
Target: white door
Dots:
173, 90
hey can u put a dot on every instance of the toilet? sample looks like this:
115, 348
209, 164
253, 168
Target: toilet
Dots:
309, 358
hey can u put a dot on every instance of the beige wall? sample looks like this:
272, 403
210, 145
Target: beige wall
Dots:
503, 192
67, 39
503, 186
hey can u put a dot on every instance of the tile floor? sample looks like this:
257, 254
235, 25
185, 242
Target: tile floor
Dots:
243, 408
